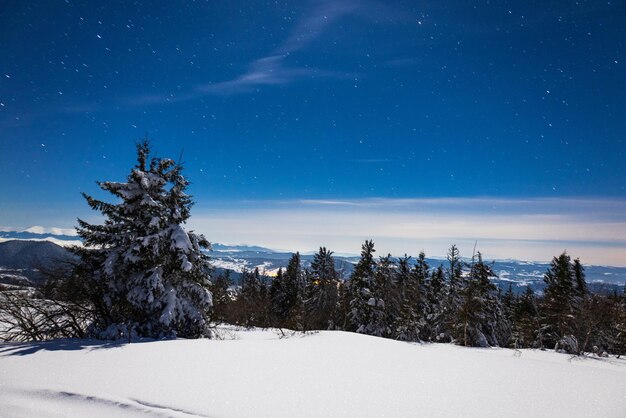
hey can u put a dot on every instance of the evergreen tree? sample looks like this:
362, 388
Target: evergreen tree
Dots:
620, 325
558, 307
278, 309
386, 293
321, 300
595, 316
342, 311
264, 316
482, 320
582, 304
367, 309
252, 298
421, 305
294, 291
454, 271
287, 295
220, 289
148, 273
497, 326
524, 320
407, 325
453, 301
580, 284
509, 301
436, 294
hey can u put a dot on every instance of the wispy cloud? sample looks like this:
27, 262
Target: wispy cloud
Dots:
531, 229
266, 71
320, 16
586, 207
273, 69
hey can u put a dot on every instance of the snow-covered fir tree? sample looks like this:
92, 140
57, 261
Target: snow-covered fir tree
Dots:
295, 285
386, 291
524, 320
341, 318
452, 302
287, 295
321, 291
149, 273
436, 292
407, 326
253, 298
220, 288
421, 274
277, 299
558, 308
595, 318
620, 324
583, 303
580, 283
482, 317
509, 301
367, 308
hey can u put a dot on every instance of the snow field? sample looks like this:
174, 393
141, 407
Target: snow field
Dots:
258, 374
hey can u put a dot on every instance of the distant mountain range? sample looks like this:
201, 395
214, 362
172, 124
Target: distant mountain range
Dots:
38, 233
23, 262
517, 273
24, 253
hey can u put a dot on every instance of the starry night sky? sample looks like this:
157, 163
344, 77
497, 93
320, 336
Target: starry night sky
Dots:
315, 100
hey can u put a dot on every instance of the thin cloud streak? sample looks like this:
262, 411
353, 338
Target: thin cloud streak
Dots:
527, 229
266, 71
272, 69
317, 20
587, 207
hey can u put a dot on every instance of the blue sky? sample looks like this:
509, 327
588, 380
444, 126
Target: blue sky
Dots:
283, 107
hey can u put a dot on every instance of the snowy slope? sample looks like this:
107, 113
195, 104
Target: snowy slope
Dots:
323, 374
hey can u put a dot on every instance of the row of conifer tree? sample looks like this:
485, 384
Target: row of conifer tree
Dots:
409, 300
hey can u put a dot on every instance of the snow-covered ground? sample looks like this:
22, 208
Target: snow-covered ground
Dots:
258, 374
